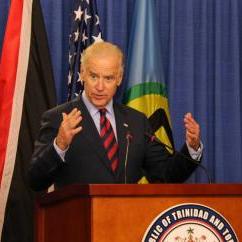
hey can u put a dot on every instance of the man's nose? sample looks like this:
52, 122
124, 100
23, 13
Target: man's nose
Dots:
100, 84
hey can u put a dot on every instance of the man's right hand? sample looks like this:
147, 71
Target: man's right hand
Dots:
68, 128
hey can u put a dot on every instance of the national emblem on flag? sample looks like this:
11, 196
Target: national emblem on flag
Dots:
146, 89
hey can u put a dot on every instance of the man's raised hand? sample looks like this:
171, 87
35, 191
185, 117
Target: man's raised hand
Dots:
69, 127
192, 131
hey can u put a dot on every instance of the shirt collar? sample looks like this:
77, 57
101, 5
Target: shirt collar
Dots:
94, 110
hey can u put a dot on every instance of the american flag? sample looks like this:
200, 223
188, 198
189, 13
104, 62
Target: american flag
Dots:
85, 31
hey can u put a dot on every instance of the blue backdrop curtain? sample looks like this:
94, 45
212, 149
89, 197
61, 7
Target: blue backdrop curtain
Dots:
4, 6
201, 44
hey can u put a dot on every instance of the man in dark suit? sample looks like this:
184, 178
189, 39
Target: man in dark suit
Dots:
94, 140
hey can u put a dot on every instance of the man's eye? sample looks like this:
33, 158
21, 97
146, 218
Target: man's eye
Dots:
93, 76
109, 78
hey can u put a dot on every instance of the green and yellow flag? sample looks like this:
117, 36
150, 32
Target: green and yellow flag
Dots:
146, 90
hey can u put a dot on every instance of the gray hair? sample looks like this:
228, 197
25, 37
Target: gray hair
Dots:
102, 49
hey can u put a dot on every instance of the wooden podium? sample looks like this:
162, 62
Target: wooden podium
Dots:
122, 213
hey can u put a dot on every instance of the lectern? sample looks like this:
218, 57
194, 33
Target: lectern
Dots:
122, 213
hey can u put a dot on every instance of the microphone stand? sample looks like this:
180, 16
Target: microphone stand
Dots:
128, 138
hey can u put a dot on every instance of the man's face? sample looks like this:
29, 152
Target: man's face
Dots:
101, 78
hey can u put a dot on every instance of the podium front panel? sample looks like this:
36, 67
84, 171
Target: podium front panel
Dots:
123, 213
126, 219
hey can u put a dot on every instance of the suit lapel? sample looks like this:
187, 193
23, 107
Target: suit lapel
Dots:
91, 134
121, 133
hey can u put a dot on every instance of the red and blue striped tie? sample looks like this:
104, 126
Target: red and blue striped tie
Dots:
109, 140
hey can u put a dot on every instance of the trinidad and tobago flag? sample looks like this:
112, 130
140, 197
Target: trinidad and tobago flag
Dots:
26, 90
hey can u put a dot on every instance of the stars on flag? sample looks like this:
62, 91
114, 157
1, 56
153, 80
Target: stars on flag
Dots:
78, 13
97, 38
84, 37
85, 31
86, 17
76, 34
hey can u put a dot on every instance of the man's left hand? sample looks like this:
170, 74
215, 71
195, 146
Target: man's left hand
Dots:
192, 131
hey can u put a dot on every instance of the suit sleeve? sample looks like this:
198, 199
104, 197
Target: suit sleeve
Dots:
161, 166
45, 163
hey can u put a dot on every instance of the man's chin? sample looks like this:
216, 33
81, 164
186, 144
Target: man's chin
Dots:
99, 103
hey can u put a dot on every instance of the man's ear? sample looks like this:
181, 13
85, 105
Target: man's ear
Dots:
120, 78
82, 74
119, 83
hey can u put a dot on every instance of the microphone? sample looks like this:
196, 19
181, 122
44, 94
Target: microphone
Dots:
128, 137
153, 138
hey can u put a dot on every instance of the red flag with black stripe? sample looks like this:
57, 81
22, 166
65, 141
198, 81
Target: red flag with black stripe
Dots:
26, 91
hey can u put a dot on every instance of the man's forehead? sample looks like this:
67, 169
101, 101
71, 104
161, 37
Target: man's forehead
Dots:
106, 71
108, 64
102, 58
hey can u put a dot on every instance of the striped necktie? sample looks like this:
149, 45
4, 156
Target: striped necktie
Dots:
108, 139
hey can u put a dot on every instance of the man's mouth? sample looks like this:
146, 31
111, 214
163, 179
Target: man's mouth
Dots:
98, 96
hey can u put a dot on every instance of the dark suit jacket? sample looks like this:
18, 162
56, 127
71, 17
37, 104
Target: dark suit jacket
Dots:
86, 160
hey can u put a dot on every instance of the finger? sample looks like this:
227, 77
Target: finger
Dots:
76, 130
73, 116
193, 129
64, 120
75, 122
77, 114
188, 115
192, 137
189, 118
73, 112
191, 124
71, 123
64, 116
192, 132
